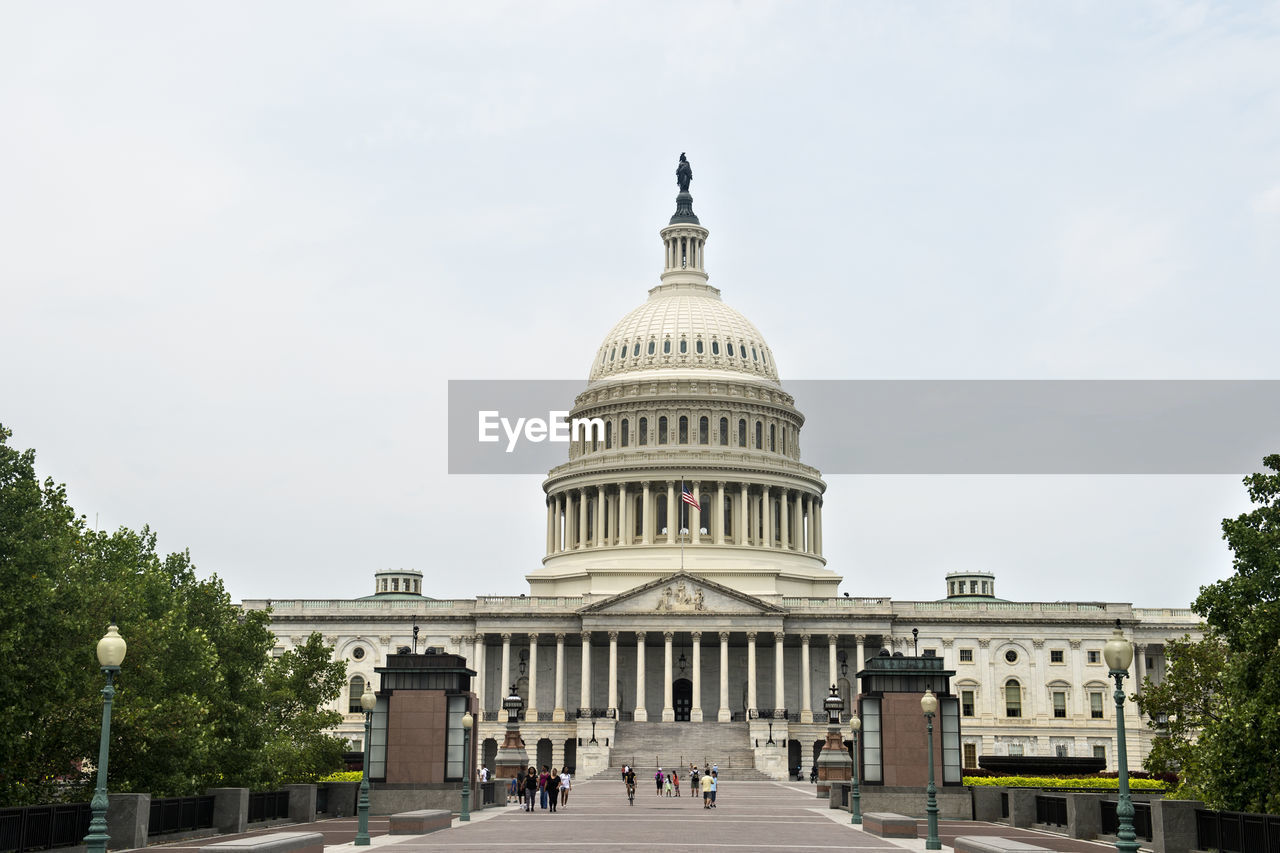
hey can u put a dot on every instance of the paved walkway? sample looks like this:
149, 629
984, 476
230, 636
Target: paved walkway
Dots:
752, 816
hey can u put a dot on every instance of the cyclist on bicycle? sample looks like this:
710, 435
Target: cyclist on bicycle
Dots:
629, 776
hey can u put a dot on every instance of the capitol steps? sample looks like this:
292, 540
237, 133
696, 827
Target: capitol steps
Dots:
674, 746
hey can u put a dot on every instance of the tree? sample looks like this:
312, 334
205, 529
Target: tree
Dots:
1230, 684
199, 701
1187, 701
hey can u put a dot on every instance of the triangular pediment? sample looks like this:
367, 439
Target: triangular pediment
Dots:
681, 593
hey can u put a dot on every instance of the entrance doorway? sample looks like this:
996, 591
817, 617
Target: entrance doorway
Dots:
682, 698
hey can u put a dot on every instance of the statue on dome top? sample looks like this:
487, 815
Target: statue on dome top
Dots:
684, 174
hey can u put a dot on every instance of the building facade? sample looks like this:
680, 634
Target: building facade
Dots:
684, 598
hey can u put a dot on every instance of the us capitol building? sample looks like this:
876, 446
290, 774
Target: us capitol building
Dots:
657, 631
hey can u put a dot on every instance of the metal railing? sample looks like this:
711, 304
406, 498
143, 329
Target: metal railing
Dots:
43, 827
1051, 811
597, 713
769, 714
268, 805
1141, 819
1237, 832
180, 814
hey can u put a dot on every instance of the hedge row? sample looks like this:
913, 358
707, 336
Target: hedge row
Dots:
1051, 782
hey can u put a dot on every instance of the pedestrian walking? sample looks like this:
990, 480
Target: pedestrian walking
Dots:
565, 780
659, 778
544, 778
675, 781
706, 791
530, 788
666, 785
715, 783
553, 789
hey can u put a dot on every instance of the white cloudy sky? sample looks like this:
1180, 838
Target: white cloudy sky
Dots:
244, 246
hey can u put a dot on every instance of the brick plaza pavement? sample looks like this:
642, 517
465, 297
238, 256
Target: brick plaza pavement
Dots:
752, 816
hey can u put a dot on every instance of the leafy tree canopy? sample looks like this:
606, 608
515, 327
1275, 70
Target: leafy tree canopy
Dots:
1221, 695
200, 700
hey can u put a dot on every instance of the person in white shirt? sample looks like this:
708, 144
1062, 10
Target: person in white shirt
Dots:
484, 774
565, 780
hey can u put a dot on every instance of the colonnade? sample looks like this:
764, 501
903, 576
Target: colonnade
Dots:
641, 711
645, 513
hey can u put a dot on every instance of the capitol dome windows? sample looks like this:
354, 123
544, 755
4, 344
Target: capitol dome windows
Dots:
626, 432
650, 347
636, 352
724, 432
644, 432
704, 428
753, 354
684, 430
729, 348
773, 438
697, 346
759, 436
684, 346
608, 435
715, 348
742, 432
666, 347
662, 430
742, 350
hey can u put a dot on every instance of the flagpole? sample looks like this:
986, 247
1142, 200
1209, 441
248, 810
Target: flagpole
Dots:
683, 511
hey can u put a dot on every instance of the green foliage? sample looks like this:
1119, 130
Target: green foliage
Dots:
199, 700
1068, 782
1222, 693
342, 776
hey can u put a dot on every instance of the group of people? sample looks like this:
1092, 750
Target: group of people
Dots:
668, 783
546, 789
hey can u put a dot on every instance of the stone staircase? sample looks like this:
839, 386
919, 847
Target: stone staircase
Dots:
648, 746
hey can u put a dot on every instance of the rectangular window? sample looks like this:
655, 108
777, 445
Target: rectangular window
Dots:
1015, 749
1055, 656
929, 653
966, 703
1061, 751
1100, 751
1060, 705
1095, 706
971, 756
1094, 657
872, 746
455, 761
966, 656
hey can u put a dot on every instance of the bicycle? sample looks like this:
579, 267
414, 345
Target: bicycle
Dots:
631, 793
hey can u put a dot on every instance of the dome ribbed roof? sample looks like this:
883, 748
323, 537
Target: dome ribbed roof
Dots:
685, 327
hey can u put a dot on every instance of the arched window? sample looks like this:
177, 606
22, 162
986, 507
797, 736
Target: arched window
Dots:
742, 432
639, 516
626, 432
608, 435
644, 432
1012, 698
650, 347
703, 430
684, 346
697, 346
636, 351
662, 430
759, 436
613, 352
773, 438
742, 350
754, 357
727, 521
729, 347
684, 430
715, 347
354, 693
666, 347
724, 432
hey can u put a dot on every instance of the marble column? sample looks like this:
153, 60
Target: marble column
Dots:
600, 517
751, 673
625, 524
505, 684
779, 652
586, 671
583, 541
557, 713
613, 671
641, 714
724, 715
695, 712
784, 519
818, 537
646, 517
806, 688
860, 658
695, 516
531, 708
477, 663
767, 525
570, 522
719, 511
743, 537
550, 519
668, 712
833, 674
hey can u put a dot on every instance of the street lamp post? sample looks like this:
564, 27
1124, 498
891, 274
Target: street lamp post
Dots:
111, 649
855, 803
1118, 653
467, 722
367, 702
929, 705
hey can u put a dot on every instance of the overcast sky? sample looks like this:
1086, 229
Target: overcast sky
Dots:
243, 248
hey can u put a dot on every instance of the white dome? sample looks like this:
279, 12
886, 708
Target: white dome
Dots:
685, 327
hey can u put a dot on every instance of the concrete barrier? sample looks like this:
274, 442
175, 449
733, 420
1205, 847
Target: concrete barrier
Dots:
994, 844
889, 825
272, 842
420, 822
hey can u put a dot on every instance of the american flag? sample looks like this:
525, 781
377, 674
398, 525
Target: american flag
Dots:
687, 497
